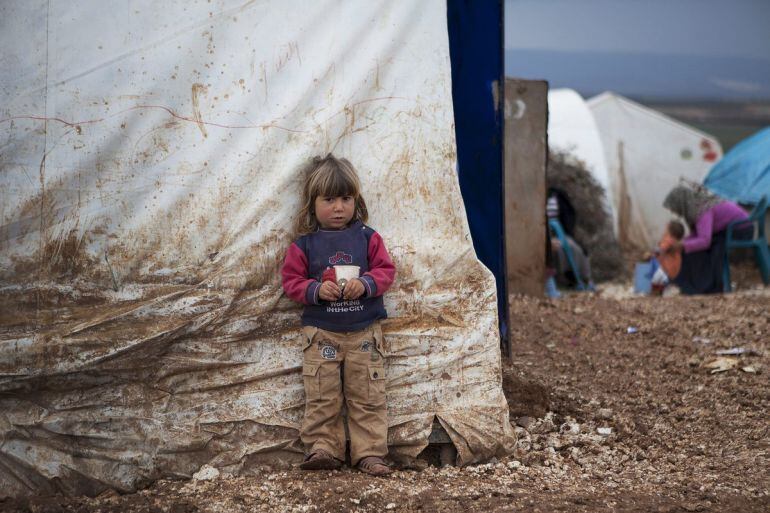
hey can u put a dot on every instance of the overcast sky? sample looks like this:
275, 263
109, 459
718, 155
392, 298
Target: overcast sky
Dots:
690, 27
685, 49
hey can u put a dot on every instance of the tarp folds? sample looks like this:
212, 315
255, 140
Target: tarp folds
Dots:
148, 177
743, 175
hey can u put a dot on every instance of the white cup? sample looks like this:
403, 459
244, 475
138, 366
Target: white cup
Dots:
345, 273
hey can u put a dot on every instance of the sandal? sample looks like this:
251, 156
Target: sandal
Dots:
320, 460
374, 466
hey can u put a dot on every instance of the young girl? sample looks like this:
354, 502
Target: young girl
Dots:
343, 351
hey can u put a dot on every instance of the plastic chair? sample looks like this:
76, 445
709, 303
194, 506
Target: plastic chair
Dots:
758, 243
557, 229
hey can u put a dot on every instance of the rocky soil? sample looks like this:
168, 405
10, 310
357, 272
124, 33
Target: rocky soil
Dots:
621, 404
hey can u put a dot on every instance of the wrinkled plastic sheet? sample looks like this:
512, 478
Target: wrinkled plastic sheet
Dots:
149, 171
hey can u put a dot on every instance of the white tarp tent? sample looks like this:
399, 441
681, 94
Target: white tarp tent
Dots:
572, 131
148, 175
647, 153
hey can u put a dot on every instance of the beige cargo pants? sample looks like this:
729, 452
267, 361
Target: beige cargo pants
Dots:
351, 366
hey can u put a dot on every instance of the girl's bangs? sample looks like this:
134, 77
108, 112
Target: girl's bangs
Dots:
336, 183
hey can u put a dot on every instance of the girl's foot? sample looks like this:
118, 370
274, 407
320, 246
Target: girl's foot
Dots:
374, 466
320, 460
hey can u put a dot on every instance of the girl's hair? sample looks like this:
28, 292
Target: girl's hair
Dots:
328, 176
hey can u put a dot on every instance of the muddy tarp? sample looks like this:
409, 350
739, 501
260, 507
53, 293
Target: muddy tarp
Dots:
149, 165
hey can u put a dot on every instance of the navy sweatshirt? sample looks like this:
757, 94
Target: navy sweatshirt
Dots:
308, 257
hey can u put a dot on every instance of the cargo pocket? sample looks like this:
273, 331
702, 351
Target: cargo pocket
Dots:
376, 384
308, 332
311, 378
379, 340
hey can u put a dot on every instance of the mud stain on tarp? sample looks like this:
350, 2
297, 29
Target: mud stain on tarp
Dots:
190, 355
56, 245
41, 175
263, 78
286, 53
196, 90
67, 256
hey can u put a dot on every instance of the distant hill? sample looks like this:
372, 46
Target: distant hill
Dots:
729, 121
655, 77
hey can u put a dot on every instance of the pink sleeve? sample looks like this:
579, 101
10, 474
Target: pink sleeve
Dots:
381, 272
701, 239
296, 284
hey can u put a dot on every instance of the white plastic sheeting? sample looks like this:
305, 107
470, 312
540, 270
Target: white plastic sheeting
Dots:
149, 171
572, 130
647, 153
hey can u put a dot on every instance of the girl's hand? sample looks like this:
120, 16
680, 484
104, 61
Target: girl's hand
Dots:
354, 289
329, 291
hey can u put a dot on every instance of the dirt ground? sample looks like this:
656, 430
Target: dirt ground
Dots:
621, 404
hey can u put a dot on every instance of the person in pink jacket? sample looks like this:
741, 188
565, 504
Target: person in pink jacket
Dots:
703, 250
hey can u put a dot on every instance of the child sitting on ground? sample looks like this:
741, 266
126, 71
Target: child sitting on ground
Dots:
669, 255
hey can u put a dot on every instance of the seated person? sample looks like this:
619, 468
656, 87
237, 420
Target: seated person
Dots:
556, 206
703, 251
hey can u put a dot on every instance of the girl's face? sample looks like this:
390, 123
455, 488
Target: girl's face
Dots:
334, 212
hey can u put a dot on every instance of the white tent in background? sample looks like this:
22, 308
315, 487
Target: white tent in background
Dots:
572, 130
646, 154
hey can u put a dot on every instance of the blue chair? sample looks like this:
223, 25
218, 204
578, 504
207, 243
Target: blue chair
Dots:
758, 243
557, 229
